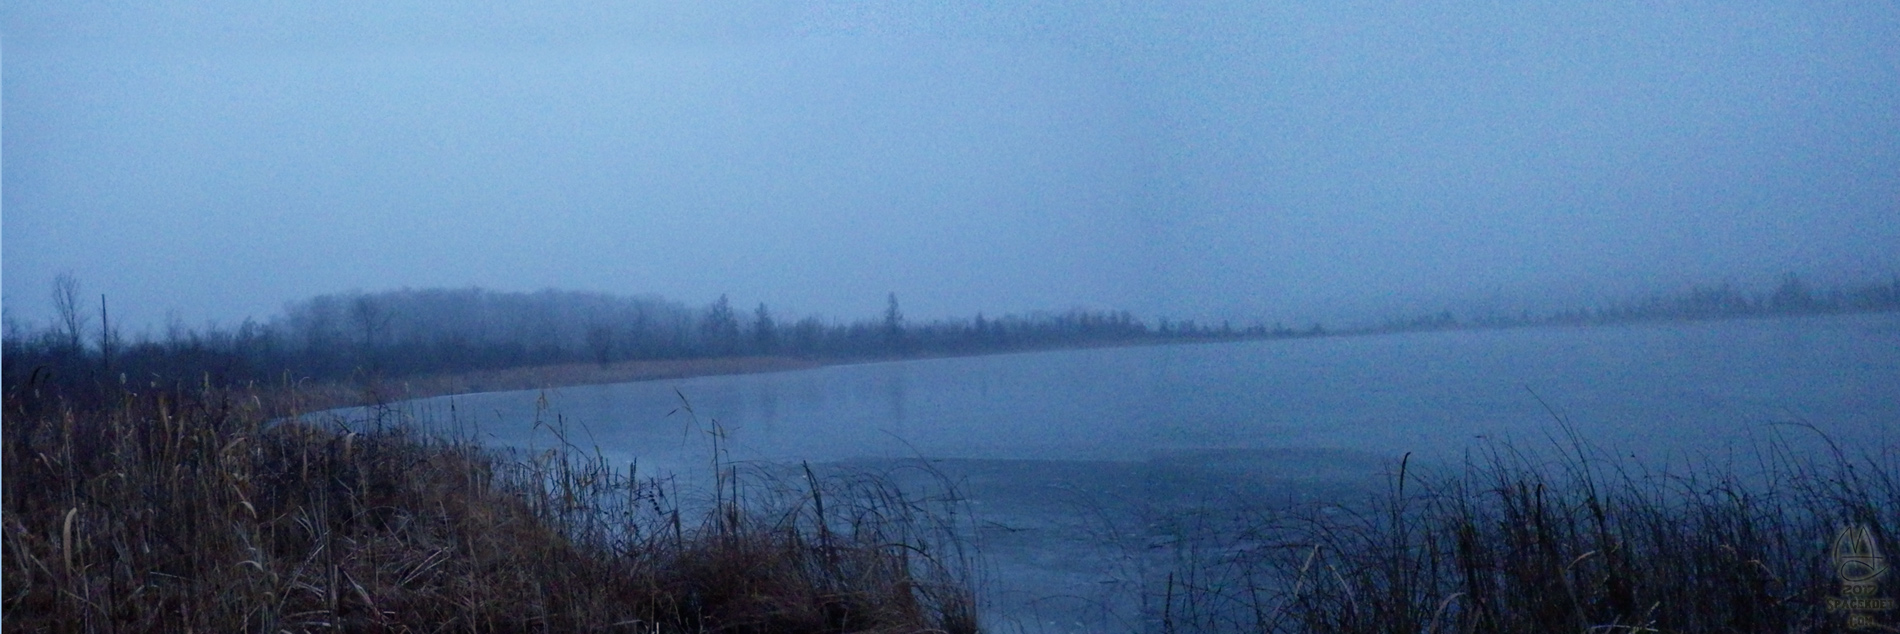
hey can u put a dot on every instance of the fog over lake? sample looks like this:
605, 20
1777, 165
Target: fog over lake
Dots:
1231, 160
1671, 229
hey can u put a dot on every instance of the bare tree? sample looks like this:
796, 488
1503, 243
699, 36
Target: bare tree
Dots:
1794, 295
373, 320
66, 306
764, 330
600, 339
893, 323
106, 335
721, 327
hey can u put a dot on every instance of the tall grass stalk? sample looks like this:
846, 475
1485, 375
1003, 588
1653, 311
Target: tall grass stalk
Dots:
223, 510
1572, 540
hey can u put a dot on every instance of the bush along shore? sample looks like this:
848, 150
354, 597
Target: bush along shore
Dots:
1567, 540
435, 341
223, 510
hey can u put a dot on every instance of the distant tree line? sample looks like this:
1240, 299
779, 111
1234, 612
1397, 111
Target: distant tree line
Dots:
1791, 296
359, 336
356, 335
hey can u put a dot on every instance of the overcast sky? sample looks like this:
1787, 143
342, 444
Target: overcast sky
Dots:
1287, 161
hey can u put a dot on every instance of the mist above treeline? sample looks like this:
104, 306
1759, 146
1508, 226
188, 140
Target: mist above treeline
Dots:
358, 336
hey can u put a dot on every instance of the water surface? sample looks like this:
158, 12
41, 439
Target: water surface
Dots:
1076, 461
1653, 390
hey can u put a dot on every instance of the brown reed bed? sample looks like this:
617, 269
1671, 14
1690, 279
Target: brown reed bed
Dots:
1567, 540
218, 510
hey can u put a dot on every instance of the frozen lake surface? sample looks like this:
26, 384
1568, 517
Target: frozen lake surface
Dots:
1651, 389
1063, 452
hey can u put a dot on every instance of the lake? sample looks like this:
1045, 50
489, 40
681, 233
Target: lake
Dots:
1066, 455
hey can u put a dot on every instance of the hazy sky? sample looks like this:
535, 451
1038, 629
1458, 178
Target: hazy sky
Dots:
1288, 161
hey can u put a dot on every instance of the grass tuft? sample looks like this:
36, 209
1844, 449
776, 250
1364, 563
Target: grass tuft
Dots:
1565, 541
213, 511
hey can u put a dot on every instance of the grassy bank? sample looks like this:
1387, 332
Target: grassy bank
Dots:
192, 512
1568, 540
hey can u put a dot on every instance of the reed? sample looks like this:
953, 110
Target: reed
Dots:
1567, 540
224, 510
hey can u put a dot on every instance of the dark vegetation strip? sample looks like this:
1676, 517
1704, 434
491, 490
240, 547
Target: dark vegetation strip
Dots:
1572, 540
169, 511
369, 339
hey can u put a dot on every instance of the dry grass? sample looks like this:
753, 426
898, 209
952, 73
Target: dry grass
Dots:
1570, 540
194, 512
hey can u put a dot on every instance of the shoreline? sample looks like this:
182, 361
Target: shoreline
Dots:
547, 377
381, 391
540, 377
